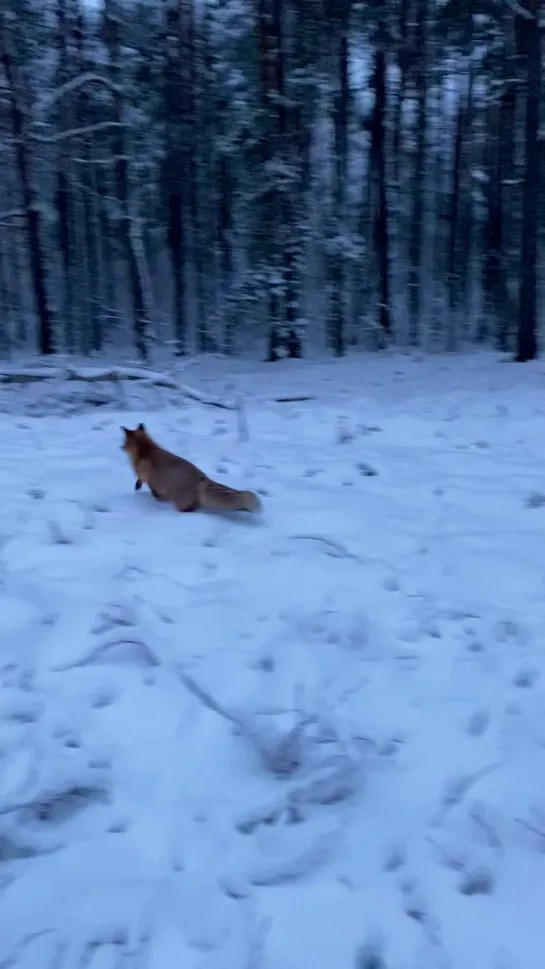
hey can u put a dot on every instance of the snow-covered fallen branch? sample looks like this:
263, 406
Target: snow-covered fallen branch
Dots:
29, 376
87, 375
93, 374
193, 394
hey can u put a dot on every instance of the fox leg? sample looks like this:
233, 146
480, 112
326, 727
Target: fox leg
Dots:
187, 506
155, 493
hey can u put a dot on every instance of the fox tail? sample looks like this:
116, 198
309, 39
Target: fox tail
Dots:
214, 496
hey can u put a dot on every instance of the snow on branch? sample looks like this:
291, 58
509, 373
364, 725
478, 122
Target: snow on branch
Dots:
75, 132
88, 77
12, 214
520, 10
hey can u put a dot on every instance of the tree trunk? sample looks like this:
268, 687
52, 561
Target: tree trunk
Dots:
466, 213
403, 65
527, 341
415, 245
176, 169
112, 21
225, 226
63, 197
337, 307
92, 280
195, 194
32, 213
453, 219
382, 236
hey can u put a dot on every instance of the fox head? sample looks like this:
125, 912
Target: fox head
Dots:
135, 441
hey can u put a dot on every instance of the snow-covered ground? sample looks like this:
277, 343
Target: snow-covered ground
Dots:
371, 784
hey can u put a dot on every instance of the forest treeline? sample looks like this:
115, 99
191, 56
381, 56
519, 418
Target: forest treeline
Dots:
242, 175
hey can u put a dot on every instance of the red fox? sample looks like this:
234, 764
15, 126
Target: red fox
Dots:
174, 479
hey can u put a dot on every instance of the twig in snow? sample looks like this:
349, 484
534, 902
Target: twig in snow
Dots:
332, 782
255, 955
334, 549
530, 827
276, 870
429, 923
370, 955
242, 420
13, 809
457, 790
207, 700
145, 655
81, 795
58, 536
279, 753
477, 815
20, 947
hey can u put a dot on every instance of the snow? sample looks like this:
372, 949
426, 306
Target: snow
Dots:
314, 737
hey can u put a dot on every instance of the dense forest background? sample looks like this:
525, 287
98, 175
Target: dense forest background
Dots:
269, 175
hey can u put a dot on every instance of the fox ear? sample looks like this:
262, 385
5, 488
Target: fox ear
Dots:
140, 427
126, 431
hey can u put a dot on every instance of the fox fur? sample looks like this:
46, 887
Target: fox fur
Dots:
174, 479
